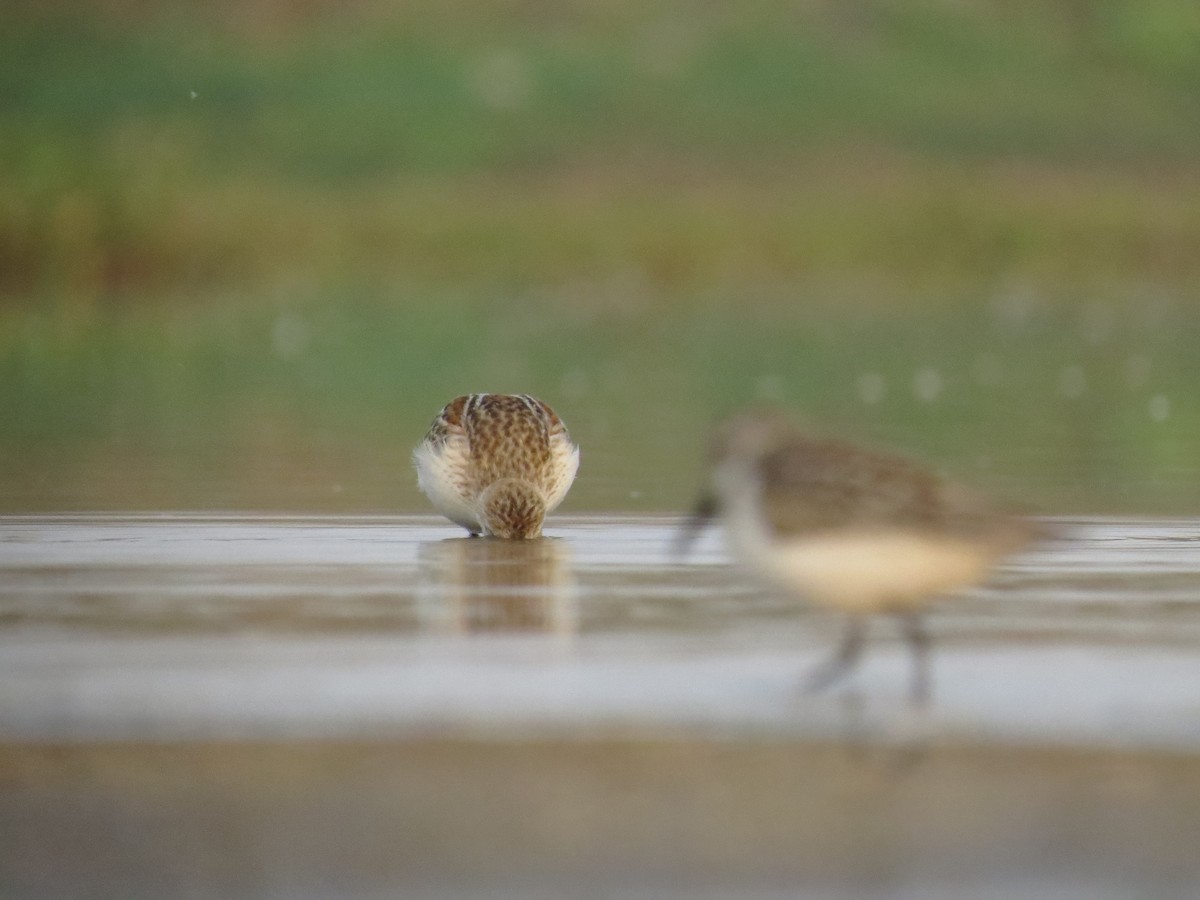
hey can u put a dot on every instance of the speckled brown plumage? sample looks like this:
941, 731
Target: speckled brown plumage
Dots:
509, 437
497, 463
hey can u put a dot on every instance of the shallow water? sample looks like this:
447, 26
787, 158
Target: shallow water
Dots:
181, 626
258, 706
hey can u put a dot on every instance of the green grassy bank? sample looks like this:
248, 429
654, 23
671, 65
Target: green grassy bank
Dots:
246, 251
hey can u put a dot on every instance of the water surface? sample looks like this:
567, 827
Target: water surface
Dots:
309, 707
188, 626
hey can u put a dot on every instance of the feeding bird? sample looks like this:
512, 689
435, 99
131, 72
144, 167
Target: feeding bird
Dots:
496, 464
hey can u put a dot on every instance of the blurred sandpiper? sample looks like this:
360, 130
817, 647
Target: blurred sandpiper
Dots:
850, 529
496, 464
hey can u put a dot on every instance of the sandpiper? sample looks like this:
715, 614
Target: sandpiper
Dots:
496, 464
849, 529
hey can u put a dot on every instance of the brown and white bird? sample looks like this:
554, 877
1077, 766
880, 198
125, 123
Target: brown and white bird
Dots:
849, 529
496, 464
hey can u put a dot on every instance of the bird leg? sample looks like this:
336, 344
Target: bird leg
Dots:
706, 508
843, 660
915, 633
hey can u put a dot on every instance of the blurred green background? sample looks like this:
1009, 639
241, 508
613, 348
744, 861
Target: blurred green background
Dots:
248, 249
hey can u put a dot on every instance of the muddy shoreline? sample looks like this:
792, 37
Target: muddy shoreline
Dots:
570, 818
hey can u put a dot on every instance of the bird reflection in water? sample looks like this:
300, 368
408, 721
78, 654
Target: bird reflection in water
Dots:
474, 585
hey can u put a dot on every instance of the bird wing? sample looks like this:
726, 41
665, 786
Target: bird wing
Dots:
812, 486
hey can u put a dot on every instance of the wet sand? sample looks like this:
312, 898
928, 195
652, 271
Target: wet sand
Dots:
261, 707
596, 818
